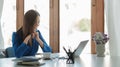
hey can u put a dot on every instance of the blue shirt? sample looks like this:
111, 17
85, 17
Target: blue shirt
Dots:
21, 49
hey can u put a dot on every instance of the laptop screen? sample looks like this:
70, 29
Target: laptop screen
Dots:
80, 48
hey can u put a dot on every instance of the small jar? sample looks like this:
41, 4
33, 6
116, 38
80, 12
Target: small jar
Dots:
100, 50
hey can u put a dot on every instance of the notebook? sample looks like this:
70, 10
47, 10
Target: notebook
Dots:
79, 49
26, 59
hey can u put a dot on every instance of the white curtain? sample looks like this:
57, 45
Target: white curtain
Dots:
1, 37
112, 10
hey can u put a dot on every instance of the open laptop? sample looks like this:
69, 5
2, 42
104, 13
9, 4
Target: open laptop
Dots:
79, 49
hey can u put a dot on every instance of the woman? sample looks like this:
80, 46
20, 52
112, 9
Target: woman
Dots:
27, 39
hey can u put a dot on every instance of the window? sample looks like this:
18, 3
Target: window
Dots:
8, 21
75, 22
97, 12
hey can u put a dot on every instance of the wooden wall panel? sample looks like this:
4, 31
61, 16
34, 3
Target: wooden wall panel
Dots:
54, 25
97, 20
20, 13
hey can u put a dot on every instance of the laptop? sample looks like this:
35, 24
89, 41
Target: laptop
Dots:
79, 49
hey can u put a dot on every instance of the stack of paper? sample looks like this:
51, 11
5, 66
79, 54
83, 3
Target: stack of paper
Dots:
34, 61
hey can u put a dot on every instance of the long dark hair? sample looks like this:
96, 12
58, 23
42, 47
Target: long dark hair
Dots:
29, 20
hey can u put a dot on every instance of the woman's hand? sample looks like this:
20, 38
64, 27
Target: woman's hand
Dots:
27, 39
36, 35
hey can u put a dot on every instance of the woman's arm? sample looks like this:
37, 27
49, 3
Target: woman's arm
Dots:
20, 48
45, 46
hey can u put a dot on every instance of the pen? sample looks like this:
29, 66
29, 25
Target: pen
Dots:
65, 49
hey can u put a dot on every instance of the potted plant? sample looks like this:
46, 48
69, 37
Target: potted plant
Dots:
100, 40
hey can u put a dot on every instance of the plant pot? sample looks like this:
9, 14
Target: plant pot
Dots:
100, 50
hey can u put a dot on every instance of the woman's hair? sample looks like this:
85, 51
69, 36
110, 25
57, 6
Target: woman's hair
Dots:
29, 21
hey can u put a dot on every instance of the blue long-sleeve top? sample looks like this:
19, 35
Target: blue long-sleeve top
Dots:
21, 49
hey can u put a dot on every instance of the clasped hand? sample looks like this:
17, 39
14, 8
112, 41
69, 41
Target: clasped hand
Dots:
31, 36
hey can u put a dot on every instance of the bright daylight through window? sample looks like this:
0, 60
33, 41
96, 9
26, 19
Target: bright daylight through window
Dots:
75, 22
8, 21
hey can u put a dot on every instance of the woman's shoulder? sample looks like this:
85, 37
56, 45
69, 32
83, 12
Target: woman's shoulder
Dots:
18, 33
38, 31
14, 34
